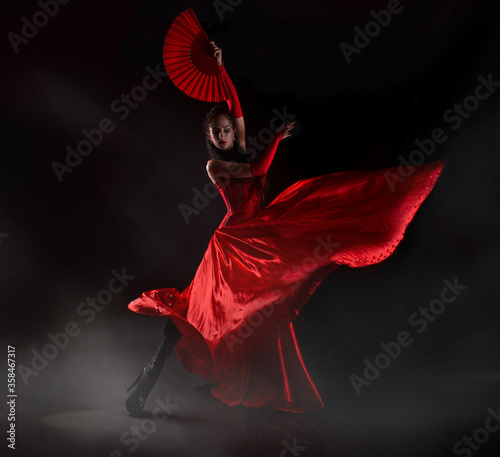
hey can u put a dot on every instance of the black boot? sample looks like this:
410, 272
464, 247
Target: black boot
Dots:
149, 374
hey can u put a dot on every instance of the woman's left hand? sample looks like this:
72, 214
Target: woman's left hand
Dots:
216, 52
284, 130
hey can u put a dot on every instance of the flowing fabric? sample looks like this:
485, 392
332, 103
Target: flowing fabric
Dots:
262, 266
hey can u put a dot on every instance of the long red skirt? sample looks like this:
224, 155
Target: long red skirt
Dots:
236, 315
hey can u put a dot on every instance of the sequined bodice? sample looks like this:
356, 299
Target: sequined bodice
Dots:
242, 197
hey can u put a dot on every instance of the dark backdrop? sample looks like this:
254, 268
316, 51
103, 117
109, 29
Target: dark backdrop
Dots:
119, 208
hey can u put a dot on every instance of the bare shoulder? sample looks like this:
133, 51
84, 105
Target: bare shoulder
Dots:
214, 168
220, 170
213, 165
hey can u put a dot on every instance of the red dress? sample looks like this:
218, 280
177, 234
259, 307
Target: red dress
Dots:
262, 266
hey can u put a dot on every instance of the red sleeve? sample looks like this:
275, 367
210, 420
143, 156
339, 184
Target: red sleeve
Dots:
233, 101
262, 165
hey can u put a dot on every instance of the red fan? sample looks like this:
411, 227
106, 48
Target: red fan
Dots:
188, 62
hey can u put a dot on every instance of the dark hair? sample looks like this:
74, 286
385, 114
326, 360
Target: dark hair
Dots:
213, 151
239, 154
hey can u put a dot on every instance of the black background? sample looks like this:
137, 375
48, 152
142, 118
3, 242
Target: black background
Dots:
120, 209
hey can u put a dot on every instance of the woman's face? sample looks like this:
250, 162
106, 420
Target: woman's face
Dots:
221, 132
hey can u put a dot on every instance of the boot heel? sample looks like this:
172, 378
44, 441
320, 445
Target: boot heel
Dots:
136, 381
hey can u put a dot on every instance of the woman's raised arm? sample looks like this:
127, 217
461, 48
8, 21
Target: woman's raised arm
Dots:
233, 101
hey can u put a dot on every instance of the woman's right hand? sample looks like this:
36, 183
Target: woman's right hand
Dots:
215, 52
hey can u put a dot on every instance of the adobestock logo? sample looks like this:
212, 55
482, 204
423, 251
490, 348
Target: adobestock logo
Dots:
470, 444
363, 38
122, 106
132, 438
291, 449
292, 279
454, 117
222, 8
421, 320
59, 341
30, 28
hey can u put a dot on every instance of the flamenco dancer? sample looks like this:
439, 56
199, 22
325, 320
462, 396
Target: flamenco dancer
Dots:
234, 323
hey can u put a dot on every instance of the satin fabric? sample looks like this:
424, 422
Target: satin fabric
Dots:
261, 267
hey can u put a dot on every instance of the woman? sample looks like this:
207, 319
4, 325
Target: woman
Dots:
233, 323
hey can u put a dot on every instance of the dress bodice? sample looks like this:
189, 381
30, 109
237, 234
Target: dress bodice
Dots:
242, 197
